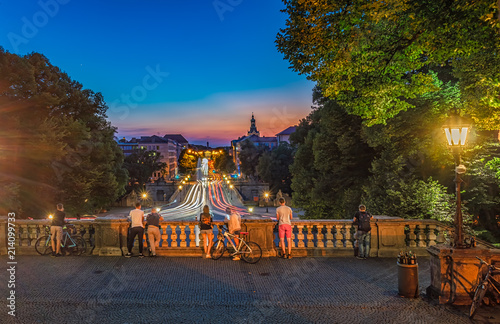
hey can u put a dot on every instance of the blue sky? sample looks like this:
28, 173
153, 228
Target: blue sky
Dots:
195, 67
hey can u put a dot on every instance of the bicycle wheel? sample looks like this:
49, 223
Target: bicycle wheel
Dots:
478, 298
43, 246
80, 246
217, 250
251, 252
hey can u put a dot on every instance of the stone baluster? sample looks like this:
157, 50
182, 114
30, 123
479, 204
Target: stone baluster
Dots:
192, 235
412, 238
174, 236
431, 235
338, 236
348, 236
421, 236
301, 236
310, 236
329, 236
440, 239
164, 236
183, 236
22, 235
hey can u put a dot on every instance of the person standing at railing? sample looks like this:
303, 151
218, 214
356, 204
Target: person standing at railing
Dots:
206, 230
284, 217
363, 235
136, 217
153, 221
56, 230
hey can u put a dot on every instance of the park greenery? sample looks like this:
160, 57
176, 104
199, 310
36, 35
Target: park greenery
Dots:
140, 165
388, 75
56, 144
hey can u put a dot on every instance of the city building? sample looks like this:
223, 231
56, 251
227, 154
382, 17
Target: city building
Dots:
284, 136
253, 135
168, 146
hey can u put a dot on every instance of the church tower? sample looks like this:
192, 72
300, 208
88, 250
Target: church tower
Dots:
253, 129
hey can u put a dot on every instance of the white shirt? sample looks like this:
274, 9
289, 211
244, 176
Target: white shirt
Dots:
137, 217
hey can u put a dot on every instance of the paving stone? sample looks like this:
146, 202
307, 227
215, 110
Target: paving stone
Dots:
193, 290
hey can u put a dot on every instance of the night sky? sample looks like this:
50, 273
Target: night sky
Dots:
195, 67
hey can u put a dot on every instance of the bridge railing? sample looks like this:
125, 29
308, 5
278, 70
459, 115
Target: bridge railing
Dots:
108, 236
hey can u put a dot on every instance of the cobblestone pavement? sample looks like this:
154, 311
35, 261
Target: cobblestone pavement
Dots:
194, 290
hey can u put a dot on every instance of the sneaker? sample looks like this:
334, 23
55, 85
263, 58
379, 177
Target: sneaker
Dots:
290, 256
53, 254
359, 257
153, 255
128, 255
58, 255
364, 258
283, 255
141, 255
209, 256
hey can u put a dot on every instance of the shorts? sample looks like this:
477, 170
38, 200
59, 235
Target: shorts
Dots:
56, 232
285, 230
207, 231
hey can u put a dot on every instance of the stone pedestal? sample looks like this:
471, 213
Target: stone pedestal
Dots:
260, 231
388, 232
111, 236
454, 273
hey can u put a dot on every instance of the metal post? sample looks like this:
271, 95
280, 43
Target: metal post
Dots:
459, 236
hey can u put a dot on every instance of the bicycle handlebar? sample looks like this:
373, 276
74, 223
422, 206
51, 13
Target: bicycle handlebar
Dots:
481, 260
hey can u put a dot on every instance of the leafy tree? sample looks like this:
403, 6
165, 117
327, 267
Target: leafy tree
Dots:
58, 146
224, 163
374, 57
141, 165
274, 168
249, 158
187, 161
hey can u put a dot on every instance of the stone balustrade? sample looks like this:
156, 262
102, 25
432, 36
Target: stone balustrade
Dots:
108, 236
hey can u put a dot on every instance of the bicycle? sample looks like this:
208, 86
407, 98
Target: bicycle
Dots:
483, 285
70, 243
250, 251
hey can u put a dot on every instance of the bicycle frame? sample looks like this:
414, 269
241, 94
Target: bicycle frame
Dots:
483, 284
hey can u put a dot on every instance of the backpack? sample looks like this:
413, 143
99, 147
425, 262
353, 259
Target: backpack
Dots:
364, 221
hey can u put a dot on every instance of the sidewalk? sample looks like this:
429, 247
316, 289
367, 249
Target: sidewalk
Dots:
194, 290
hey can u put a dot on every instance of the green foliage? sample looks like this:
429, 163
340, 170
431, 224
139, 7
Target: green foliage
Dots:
249, 158
187, 162
224, 163
374, 57
274, 166
141, 165
57, 145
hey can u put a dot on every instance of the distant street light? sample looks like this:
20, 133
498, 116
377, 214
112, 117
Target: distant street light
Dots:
180, 193
456, 132
266, 195
231, 189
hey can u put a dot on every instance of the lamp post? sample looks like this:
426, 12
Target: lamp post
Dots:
180, 193
231, 190
266, 195
456, 132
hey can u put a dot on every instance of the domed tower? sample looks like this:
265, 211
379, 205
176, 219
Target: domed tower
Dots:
253, 129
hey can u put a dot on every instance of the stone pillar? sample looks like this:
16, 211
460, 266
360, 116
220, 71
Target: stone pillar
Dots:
260, 231
388, 237
454, 273
110, 236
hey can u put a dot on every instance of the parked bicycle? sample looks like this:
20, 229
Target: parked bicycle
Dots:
71, 243
249, 251
483, 285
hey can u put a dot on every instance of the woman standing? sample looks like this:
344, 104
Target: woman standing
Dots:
206, 230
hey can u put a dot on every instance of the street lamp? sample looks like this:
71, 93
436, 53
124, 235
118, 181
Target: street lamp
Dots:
180, 193
456, 132
266, 195
231, 189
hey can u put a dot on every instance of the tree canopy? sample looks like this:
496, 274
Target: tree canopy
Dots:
55, 142
373, 57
